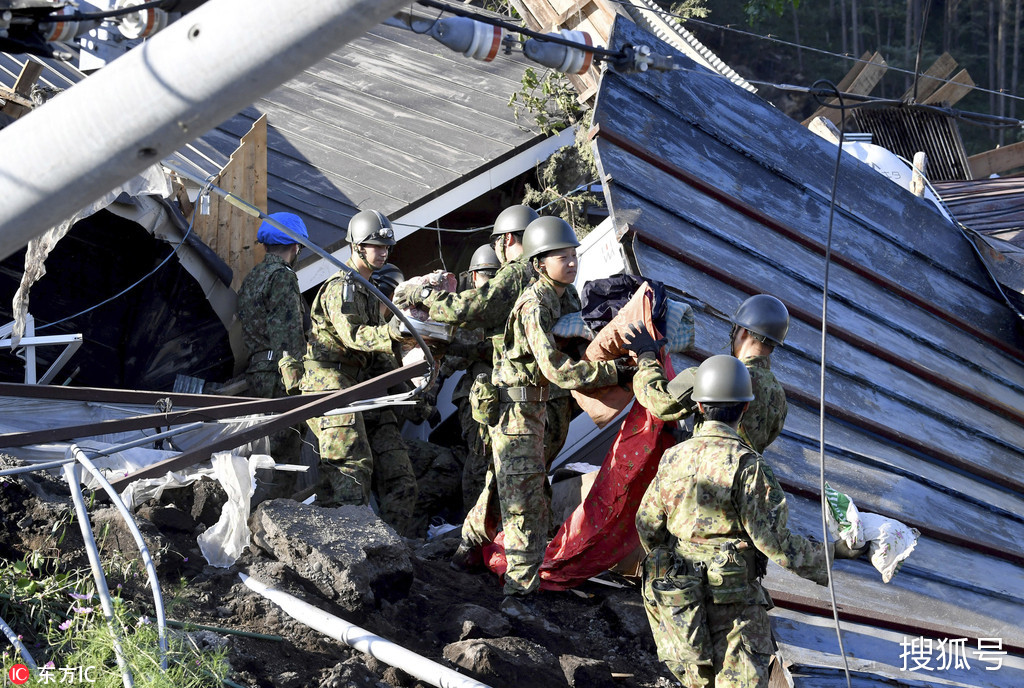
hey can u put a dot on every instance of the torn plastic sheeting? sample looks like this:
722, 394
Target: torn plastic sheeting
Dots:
224, 541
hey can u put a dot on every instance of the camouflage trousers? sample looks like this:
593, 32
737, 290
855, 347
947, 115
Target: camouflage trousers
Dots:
364, 451
742, 647
285, 445
478, 456
516, 494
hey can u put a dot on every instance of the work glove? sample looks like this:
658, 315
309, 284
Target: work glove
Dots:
638, 340
842, 550
625, 370
406, 295
395, 329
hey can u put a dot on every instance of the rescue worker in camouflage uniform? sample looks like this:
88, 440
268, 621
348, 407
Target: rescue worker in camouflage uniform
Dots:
273, 314
471, 352
351, 341
487, 308
526, 365
711, 518
759, 325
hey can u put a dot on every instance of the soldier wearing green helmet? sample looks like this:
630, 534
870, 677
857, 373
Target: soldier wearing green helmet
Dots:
351, 341
528, 366
759, 325
710, 520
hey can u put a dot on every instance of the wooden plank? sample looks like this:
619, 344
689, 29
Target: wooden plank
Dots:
932, 79
953, 90
869, 406
731, 135
997, 160
21, 102
314, 407
860, 80
953, 297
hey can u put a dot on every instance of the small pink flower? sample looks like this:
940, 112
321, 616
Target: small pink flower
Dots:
64, 626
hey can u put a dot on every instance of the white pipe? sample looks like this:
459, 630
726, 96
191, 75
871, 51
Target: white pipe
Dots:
72, 472
187, 79
386, 651
133, 528
19, 647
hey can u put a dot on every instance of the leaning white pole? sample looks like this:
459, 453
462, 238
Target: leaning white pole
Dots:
415, 665
190, 77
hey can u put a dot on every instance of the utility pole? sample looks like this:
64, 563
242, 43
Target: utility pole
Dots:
190, 77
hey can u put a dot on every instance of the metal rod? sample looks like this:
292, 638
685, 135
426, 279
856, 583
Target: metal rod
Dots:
32, 468
73, 474
19, 646
133, 528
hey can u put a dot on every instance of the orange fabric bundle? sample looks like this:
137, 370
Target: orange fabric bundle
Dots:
602, 405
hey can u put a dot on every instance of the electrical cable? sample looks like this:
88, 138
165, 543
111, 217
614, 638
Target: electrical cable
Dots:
109, 14
920, 46
129, 288
821, 390
800, 46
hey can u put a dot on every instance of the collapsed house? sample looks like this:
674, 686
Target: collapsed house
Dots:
719, 196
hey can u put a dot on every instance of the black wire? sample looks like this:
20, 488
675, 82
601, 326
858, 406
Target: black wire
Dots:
920, 45
821, 390
597, 51
92, 16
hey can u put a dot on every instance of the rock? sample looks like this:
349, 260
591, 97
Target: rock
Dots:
507, 663
581, 672
168, 518
288, 679
627, 612
115, 536
471, 621
347, 553
348, 674
208, 501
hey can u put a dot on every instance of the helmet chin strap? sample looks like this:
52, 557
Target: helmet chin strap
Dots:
543, 273
361, 252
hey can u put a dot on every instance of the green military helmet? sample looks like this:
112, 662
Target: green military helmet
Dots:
548, 233
370, 227
722, 380
387, 278
514, 218
484, 258
764, 316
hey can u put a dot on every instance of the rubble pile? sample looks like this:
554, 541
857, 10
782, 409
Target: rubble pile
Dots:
348, 563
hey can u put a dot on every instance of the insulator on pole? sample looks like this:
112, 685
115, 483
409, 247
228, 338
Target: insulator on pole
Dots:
143, 23
470, 37
562, 58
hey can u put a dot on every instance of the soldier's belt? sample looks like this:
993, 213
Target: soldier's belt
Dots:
320, 365
268, 355
522, 394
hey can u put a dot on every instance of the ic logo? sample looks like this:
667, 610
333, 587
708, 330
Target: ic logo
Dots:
18, 674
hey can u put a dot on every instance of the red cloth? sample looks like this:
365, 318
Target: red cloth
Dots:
602, 529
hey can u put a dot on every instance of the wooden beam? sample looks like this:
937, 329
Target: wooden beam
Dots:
932, 79
20, 100
997, 160
953, 90
861, 80
321, 404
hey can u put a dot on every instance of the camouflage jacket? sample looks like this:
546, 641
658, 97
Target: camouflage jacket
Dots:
763, 420
713, 487
526, 355
270, 309
761, 423
350, 334
486, 307
651, 388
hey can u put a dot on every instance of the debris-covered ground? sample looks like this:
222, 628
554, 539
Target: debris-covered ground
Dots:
348, 563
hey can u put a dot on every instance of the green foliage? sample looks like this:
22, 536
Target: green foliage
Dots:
757, 10
59, 618
551, 99
561, 177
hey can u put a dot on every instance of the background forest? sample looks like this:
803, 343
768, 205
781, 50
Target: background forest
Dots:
761, 40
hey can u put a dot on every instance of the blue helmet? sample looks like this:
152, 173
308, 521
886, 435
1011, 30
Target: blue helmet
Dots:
269, 234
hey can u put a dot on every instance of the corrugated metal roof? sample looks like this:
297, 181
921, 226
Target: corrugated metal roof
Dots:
994, 207
722, 196
907, 129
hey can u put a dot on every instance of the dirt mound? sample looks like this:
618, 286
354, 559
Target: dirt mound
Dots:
594, 636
